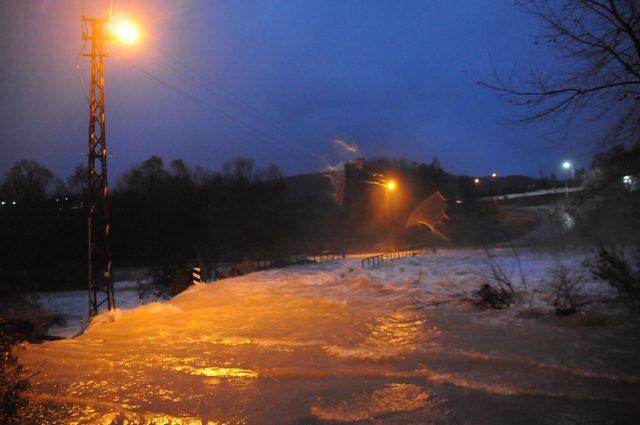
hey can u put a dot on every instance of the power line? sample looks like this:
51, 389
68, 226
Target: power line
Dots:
223, 114
231, 97
195, 77
217, 90
79, 74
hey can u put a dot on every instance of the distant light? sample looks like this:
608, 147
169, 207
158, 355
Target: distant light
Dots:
476, 180
13, 203
2, 203
458, 201
567, 165
126, 32
391, 185
494, 175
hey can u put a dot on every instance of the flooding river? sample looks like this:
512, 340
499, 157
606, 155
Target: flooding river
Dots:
334, 343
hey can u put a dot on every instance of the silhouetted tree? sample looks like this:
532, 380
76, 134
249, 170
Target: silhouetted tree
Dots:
77, 182
272, 172
39, 232
240, 168
28, 182
466, 188
600, 41
168, 216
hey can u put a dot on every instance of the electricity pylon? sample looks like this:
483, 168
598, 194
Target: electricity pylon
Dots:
100, 277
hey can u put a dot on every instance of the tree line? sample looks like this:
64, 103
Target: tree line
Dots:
173, 214
170, 215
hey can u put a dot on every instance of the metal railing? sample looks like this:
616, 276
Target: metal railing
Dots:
373, 261
229, 269
326, 256
379, 259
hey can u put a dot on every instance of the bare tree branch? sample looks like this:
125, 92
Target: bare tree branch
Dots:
600, 41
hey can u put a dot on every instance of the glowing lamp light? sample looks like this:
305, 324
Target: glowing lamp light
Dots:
391, 185
494, 175
566, 165
476, 180
126, 32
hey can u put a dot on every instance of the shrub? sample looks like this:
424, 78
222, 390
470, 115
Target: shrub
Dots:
498, 290
567, 290
612, 267
167, 281
13, 382
496, 297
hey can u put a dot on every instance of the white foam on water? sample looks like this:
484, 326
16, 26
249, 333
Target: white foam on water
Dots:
392, 398
386, 340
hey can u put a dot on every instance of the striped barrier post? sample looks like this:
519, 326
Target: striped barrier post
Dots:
196, 275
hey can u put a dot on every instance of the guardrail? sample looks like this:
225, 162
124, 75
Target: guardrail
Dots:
373, 261
326, 256
233, 268
378, 260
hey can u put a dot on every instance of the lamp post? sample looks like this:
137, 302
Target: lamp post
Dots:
492, 178
389, 186
568, 165
99, 261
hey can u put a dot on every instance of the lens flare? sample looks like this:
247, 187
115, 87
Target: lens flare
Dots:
431, 213
337, 176
347, 147
126, 32
382, 181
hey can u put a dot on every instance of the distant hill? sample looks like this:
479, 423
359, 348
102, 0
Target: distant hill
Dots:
318, 186
506, 184
517, 182
315, 185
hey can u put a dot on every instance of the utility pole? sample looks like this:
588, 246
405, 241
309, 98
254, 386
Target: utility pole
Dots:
100, 279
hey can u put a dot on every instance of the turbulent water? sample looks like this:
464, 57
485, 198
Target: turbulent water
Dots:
334, 343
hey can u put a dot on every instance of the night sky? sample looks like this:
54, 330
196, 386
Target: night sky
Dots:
279, 81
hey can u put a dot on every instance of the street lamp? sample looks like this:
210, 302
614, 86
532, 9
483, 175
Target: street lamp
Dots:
492, 178
476, 181
389, 186
126, 32
568, 165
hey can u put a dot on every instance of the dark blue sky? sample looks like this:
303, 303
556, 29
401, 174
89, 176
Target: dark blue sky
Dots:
278, 81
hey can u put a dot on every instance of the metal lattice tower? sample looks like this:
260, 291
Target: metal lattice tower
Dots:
100, 278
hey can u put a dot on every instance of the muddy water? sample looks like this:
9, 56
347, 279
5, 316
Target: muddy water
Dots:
318, 345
